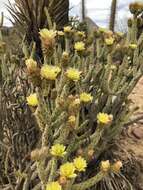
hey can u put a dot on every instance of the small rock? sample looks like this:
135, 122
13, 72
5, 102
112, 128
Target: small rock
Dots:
138, 132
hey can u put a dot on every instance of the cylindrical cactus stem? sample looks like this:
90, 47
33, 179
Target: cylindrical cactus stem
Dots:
90, 182
113, 15
134, 30
60, 120
53, 169
41, 174
46, 136
48, 18
67, 44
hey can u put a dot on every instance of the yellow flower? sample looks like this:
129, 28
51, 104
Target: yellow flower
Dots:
67, 170
80, 164
58, 150
105, 166
32, 100
50, 72
117, 166
79, 46
53, 186
81, 34
102, 30
47, 34
60, 33
133, 46
85, 97
104, 118
109, 41
121, 34
72, 121
67, 29
73, 74
31, 65
65, 56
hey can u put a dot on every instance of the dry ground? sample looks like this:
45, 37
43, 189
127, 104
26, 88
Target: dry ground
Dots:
130, 145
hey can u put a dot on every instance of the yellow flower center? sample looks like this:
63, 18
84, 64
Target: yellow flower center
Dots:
68, 170
81, 34
80, 164
73, 74
58, 150
85, 97
79, 46
47, 34
50, 72
31, 64
109, 41
133, 46
32, 100
104, 118
105, 166
60, 33
53, 186
67, 29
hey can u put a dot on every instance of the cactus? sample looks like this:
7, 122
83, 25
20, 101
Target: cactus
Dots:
78, 94
113, 15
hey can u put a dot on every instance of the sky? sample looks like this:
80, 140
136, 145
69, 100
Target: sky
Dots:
98, 10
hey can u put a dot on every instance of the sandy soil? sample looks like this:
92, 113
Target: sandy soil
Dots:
130, 145
137, 95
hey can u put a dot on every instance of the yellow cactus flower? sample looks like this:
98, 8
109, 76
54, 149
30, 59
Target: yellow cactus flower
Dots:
50, 72
65, 56
47, 34
133, 46
48, 41
81, 34
121, 34
72, 121
53, 186
80, 164
104, 118
79, 46
109, 41
58, 150
60, 33
32, 100
86, 97
102, 30
105, 166
31, 65
117, 166
73, 74
67, 29
68, 170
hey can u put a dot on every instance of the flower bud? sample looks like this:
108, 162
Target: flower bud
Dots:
105, 166
117, 166
62, 180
